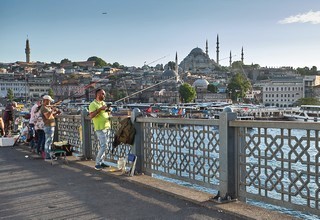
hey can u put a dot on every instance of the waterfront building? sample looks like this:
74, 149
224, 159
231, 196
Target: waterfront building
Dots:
282, 91
310, 86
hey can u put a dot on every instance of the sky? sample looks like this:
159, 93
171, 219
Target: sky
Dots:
273, 33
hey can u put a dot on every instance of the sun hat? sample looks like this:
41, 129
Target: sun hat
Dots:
47, 97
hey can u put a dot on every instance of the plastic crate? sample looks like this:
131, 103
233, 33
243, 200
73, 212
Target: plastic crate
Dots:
6, 142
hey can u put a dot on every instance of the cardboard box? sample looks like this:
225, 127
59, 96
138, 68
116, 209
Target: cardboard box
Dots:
6, 142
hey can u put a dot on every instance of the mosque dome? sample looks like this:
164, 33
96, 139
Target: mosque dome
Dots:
200, 83
197, 51
169, 73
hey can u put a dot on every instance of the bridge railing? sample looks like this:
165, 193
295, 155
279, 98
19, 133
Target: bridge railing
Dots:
275, 162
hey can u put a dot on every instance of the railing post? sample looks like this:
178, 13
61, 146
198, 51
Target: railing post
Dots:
138, 146
227, 158
86, 134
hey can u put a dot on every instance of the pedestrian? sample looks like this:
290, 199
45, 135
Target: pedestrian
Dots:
32, 131
40, 135
8, 117
48, 113
100, 114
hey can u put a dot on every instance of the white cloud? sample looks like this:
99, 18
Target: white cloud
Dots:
312, 17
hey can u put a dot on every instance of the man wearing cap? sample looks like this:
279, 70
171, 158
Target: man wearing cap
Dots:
49, 123
100, 115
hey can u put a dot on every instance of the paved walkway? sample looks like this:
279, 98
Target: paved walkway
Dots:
31, 188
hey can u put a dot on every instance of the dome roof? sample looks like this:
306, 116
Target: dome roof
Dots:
169, 73
203, 83
197, 51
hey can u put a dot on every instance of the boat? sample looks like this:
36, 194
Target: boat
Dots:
307, 113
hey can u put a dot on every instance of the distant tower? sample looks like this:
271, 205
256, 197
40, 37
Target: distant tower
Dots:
217, 49
176, 68
230, 59
207, 47
242, 55
27, 51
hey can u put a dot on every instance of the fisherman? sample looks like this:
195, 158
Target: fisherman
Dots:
100, 114
48, 112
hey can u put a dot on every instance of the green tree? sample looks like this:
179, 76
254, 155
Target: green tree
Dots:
308, 101
172, 65
187, 92
238, 86
98, 61
115, 65
10, 95
212, 88
50, 93
65, 60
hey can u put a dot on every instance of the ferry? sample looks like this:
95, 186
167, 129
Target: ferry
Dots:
307, 113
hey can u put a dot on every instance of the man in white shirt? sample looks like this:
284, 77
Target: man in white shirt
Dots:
32, 131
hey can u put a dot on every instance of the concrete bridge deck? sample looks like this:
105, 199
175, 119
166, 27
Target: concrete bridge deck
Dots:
31, 188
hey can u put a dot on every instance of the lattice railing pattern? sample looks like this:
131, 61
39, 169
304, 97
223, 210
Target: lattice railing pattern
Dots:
68, 129
121, 151
182, 151
281, 164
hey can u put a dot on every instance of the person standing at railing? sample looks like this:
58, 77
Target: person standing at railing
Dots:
48, 112
32, 131
100, 114
8, 117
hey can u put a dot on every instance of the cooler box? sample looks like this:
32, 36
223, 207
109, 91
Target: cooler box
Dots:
6, 142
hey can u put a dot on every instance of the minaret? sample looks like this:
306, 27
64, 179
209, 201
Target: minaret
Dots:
242, 55
230, 59
27, 51
176, 68
217, 49
207, 46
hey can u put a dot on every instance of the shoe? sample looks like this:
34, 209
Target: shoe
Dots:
98, 167
103, 165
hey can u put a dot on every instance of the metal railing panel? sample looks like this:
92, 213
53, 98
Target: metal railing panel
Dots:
279, 163
182, 149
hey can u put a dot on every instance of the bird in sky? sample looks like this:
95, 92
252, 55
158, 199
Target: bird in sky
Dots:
104, 13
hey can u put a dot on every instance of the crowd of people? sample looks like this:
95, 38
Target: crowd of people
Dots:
40, 128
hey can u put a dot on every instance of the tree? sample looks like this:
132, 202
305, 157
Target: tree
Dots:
187, 92
212, 88
10, 95
308, 101
50, 93
238, 86
98, 62
115, 65
172, 65
65, 60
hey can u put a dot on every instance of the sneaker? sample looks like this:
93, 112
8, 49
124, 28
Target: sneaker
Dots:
103, 165
98, 167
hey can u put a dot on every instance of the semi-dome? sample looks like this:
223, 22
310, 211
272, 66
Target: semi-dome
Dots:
200, 83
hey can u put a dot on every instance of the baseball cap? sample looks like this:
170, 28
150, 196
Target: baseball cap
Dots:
48, 97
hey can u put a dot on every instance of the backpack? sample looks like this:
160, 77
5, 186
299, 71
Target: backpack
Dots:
125, 134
